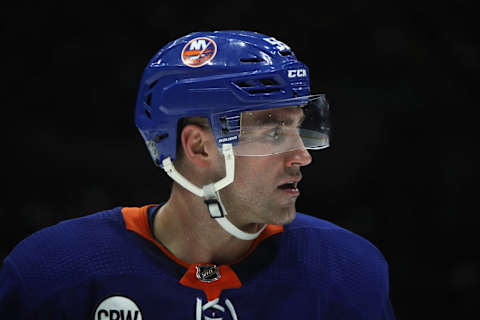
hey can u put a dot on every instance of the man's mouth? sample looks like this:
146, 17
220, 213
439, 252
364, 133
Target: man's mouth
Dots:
288, 186
291, 187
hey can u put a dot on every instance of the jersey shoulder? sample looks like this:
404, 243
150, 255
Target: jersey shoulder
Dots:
76, 250
322, 247
306, 228
65, 240
353, 269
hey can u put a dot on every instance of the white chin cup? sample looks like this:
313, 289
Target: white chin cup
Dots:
210, 193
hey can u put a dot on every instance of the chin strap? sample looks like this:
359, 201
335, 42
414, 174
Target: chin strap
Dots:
211, 195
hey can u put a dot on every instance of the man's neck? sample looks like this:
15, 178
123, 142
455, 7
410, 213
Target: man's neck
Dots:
184, 226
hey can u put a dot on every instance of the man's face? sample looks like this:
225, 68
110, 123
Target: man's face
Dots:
265, 187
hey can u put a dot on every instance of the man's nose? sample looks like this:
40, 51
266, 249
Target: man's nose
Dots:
300, 157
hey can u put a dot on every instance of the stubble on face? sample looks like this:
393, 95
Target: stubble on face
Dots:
254, 196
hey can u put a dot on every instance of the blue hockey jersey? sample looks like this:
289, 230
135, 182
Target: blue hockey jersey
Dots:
108, 266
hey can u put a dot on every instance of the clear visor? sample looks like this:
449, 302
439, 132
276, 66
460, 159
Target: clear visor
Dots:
282, 129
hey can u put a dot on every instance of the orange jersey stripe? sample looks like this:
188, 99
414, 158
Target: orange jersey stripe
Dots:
136, 220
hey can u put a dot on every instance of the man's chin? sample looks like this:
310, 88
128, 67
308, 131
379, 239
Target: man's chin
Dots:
285, 216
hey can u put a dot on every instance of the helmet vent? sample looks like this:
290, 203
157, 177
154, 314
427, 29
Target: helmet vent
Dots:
252, 83
286, 53
264, 90
259, 86
148, 101
251, 60
147, 113
243, 84
268, 82
153, 84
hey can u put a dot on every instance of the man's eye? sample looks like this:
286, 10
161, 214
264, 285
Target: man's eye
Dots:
275, 134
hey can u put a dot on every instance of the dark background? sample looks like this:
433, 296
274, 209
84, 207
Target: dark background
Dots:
400, 77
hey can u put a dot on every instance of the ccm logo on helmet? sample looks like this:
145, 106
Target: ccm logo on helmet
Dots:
118, 308
198, 52
297, 73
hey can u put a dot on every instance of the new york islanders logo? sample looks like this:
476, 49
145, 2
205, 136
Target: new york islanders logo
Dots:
198, 52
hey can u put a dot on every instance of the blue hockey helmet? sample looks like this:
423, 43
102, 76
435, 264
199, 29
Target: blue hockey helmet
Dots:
231, 78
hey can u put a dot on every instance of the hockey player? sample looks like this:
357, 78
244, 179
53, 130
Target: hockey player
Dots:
229, 116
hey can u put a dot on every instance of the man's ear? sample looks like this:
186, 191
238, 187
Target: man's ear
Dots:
197, 145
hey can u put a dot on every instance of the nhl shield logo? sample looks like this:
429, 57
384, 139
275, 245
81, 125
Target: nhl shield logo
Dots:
207, 273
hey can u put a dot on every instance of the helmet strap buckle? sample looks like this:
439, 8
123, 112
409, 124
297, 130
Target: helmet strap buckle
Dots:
213, 202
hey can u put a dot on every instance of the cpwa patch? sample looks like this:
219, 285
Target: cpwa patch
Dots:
198, 52
117, 307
